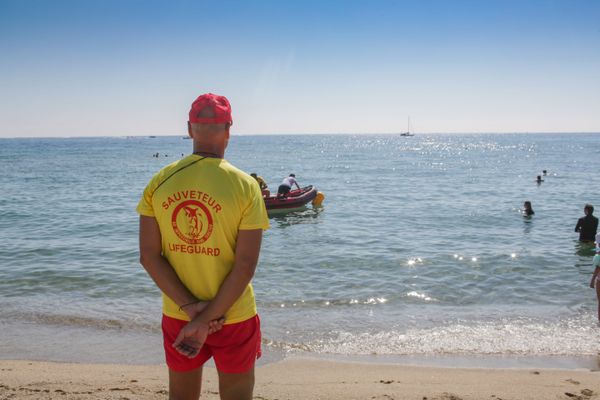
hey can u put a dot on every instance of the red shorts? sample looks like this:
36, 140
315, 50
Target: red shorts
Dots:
234, 348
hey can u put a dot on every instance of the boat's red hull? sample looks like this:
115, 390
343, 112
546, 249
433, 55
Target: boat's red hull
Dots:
295, 199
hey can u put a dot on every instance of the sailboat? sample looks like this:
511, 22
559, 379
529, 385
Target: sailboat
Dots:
407, 133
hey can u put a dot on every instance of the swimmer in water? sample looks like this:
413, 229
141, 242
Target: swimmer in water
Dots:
595, 283
539, 179
527, 210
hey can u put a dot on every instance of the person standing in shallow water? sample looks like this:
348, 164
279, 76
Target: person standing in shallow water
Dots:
201, 223
595, 283
587, 226
527, 210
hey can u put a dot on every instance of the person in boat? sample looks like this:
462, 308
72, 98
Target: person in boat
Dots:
263, 185
587, 226
201, 248
595, 283
527, 209
286, 185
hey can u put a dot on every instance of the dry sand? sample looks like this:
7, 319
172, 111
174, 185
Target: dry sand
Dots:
300, 379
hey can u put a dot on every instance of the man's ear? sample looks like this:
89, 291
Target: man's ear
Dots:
227, 128
190, 130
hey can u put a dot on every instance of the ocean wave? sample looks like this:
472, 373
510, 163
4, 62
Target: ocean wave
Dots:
575, 337
96, 323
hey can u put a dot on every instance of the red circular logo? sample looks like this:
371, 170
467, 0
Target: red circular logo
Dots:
192, 222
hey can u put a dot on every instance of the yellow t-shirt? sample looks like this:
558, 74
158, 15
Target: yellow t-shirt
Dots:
200, 204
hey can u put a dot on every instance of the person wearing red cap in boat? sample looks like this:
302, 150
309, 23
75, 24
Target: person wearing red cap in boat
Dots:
201, 223
286, 185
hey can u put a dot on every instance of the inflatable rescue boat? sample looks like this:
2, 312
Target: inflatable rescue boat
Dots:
294, 200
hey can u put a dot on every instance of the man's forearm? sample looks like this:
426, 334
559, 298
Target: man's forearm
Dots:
157, 266
232, 288
166, 279
246, 258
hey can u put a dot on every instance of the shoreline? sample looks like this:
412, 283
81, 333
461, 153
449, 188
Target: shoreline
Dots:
467, 361
481, 361
92, 346
301, 378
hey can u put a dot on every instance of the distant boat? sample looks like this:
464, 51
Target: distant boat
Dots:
407, 133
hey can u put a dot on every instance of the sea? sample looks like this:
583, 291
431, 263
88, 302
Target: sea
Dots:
419, 253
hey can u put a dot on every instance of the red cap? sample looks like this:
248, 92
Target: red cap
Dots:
210, 109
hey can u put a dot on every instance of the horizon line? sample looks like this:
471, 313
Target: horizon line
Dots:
308, 134
184, 136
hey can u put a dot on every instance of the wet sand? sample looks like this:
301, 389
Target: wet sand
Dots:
301, 379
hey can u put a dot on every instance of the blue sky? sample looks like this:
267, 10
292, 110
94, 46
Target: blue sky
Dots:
128, 67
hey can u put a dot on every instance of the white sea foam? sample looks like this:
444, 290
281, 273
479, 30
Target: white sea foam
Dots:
576, 337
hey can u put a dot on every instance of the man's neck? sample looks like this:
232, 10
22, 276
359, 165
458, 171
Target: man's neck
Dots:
211, 151
208, 154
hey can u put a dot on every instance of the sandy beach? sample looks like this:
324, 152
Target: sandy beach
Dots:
300, 379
